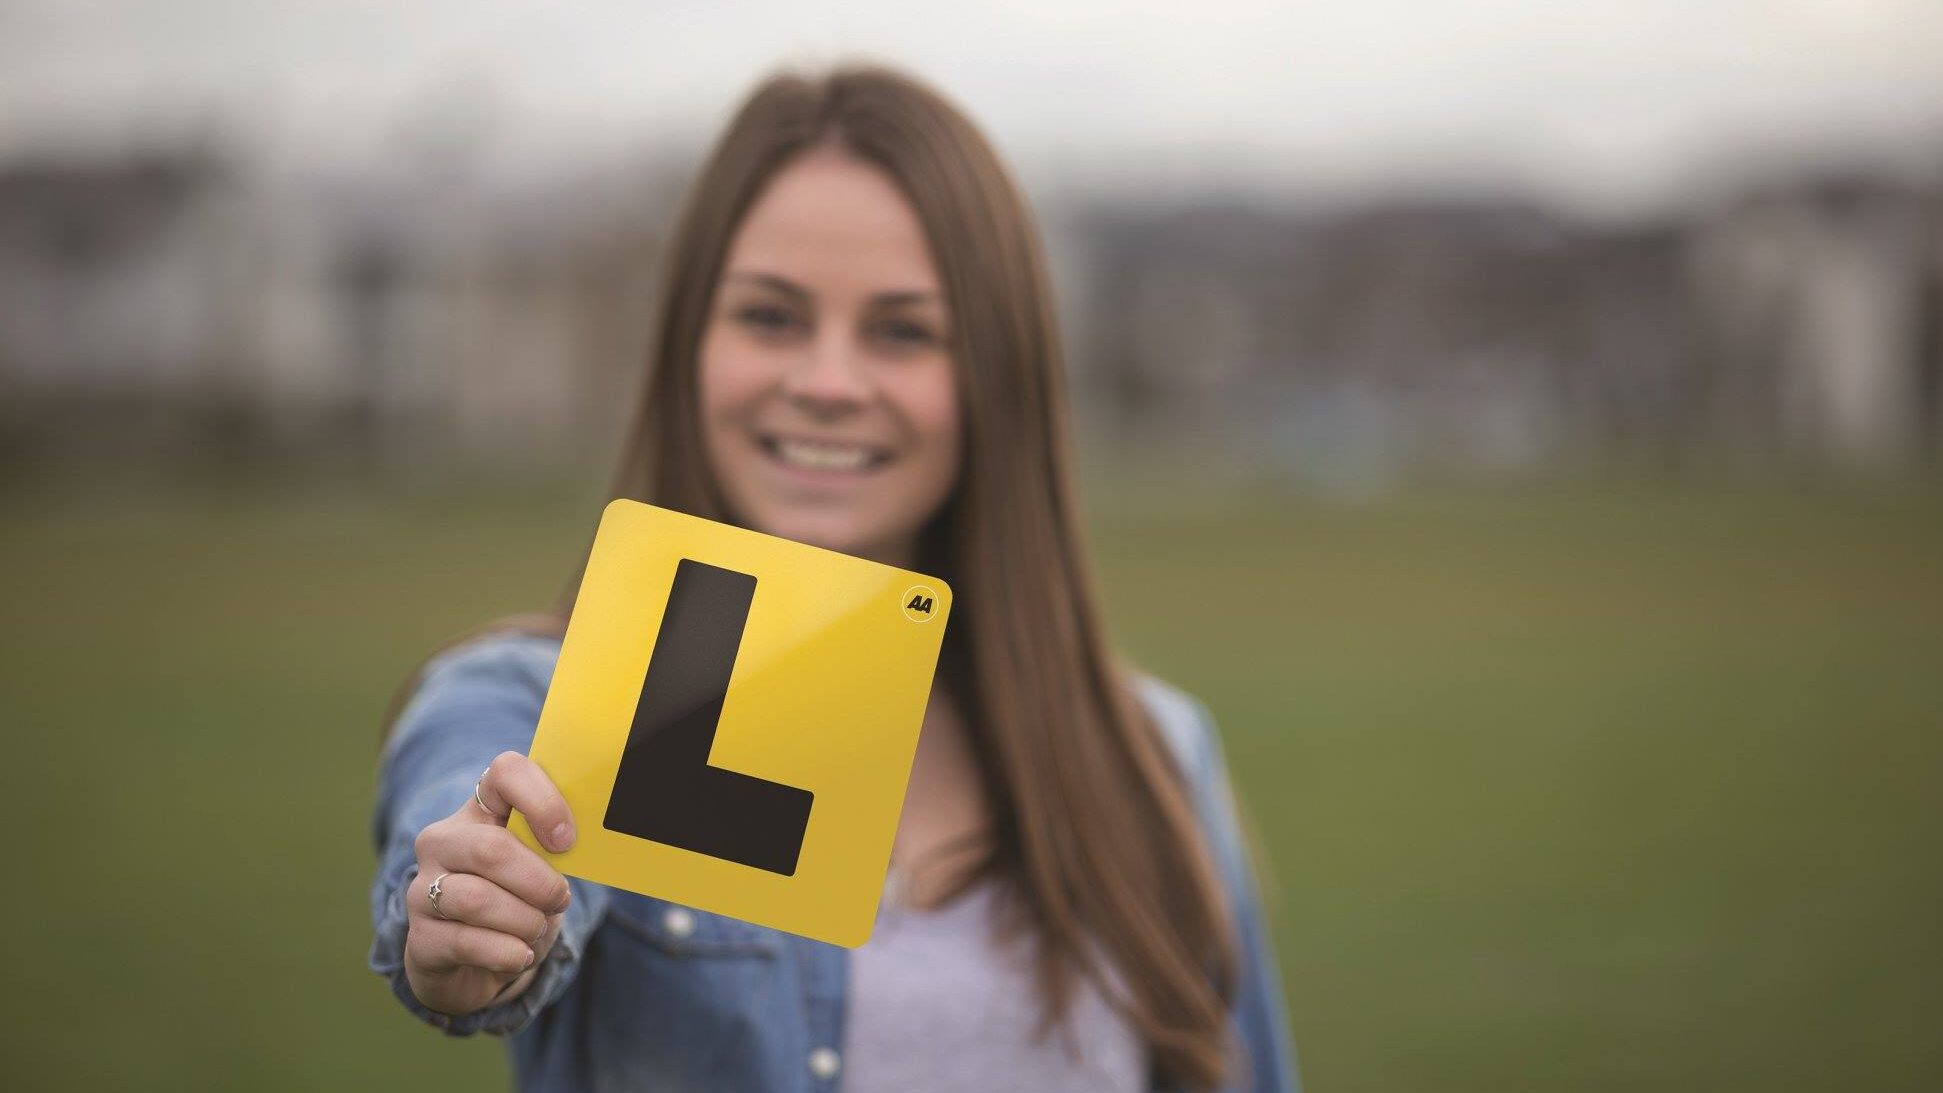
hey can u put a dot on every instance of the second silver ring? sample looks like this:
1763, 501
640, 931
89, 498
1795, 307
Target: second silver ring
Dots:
481, 801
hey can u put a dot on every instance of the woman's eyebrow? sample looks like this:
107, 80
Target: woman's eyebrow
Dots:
790, 288
781, 284
912, 296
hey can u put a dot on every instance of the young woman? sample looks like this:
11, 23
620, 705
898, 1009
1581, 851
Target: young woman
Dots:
855, 348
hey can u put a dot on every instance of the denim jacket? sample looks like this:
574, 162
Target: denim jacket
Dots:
638, 993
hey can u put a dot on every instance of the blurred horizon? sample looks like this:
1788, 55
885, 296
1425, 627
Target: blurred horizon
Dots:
1664, 233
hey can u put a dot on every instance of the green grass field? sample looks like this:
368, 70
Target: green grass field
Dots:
1586, 788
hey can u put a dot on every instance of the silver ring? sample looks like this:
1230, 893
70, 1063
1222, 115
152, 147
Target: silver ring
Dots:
434, 892
481, 801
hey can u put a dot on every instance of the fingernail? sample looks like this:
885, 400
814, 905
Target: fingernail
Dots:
563, 835
529, 960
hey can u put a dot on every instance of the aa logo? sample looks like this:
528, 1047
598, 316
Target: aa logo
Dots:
732, 719
919, 602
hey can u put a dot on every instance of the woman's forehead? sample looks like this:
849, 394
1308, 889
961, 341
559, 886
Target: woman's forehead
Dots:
837, 226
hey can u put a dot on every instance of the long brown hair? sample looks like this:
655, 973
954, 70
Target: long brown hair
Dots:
1093, 828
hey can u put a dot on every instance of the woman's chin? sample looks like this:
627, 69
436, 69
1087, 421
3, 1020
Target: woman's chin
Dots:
850, 541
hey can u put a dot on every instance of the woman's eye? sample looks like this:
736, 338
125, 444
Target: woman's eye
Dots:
904, 333
765, 318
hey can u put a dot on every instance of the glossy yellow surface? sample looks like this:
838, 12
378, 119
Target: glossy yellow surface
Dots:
828, 694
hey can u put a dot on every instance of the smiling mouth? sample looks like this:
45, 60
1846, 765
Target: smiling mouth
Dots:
818, 455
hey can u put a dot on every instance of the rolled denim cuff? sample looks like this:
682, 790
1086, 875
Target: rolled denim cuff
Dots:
556, 971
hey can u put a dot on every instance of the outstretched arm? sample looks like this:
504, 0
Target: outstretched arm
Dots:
463, 966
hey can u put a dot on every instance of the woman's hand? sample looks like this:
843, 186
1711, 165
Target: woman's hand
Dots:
499, 904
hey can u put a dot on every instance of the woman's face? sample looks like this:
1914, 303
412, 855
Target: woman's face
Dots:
829, 406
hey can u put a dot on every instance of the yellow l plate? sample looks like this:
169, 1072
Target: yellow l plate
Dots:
733, 717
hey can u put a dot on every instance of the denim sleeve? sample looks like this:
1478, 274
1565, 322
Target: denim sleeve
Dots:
472, 703
1260, 1015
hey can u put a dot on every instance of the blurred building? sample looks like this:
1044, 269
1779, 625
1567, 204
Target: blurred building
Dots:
188, 300
1805, 323
184, 301
1823, 308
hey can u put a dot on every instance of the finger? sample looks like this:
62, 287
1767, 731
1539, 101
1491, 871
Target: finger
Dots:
497, 855
547, 939
441, 946
516, 782
471, 899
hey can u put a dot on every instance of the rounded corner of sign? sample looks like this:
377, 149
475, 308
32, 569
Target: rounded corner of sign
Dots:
857, 939
619, 507
941, 589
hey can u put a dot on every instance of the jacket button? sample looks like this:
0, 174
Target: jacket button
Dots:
678, 921
824, 1063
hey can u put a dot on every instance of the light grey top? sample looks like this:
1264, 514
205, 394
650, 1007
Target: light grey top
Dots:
938, 1004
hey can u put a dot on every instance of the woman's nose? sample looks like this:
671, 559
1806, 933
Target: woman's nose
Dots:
829, 374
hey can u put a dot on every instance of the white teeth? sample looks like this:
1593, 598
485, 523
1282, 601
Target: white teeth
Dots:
823, 457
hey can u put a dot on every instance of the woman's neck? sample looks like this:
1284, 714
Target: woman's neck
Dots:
944, 806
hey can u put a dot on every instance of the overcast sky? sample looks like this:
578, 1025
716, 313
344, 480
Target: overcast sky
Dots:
1599, 101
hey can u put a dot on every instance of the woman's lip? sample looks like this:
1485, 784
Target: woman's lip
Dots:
877, 451
766, 442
